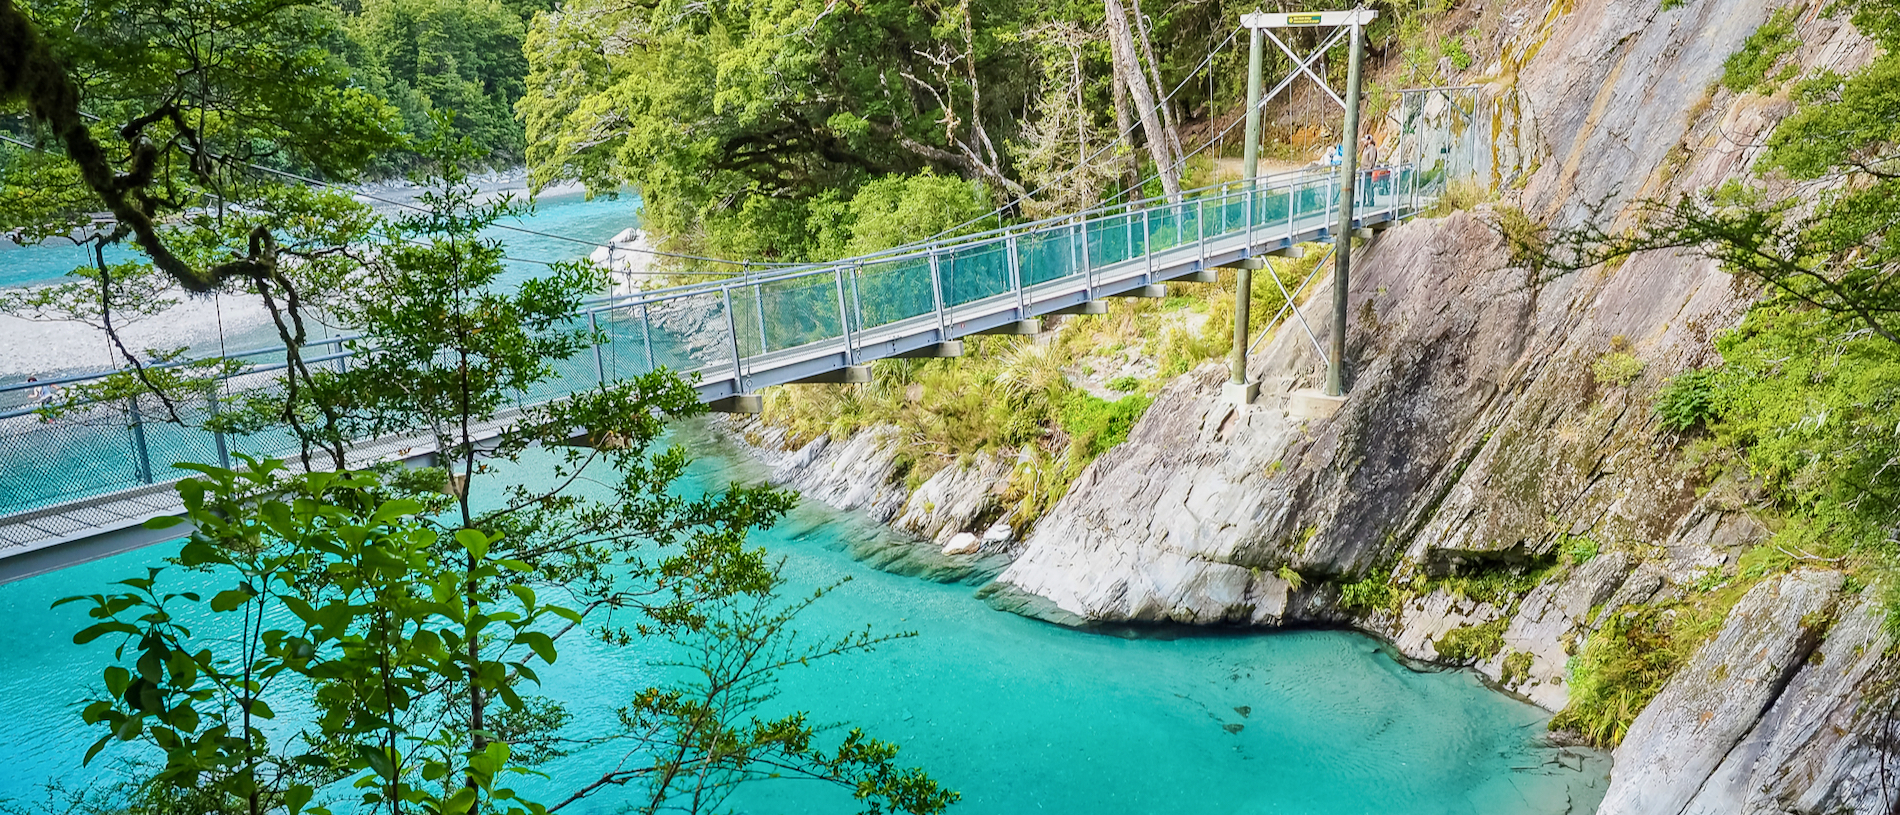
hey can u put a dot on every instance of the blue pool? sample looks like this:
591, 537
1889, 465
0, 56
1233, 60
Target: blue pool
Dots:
1018, 715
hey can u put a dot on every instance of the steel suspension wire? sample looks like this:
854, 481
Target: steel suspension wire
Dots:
1098, 151
1264, 99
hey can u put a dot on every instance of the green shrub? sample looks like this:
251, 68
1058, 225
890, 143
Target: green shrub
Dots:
1623, 666
1748, 68
1472, 642
1687, 401
1517, 668
1580, 549
1618, 368
1094, 424
1372, 593
1454, 50
1124, 384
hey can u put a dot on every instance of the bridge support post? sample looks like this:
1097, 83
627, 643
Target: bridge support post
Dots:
600, 362
844, 320
1238, 389
1348, 183
936, 296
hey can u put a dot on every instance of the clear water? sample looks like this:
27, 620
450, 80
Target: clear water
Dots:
1018, 715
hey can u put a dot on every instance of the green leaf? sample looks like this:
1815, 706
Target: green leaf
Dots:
93, 632
230, 600
378, 760
541, 643
474, 541
163, 522
460, 803
297, 796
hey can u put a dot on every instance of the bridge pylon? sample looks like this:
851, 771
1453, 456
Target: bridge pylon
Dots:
1261, 27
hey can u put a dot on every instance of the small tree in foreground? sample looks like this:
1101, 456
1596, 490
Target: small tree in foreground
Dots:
426, 603
338, 597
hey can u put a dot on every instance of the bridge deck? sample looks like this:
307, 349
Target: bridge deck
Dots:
76, 491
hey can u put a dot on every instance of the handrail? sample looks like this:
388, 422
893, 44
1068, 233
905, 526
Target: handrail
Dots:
591, 308
816, 317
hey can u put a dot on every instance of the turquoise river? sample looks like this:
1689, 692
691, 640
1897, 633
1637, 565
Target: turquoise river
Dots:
1019, 715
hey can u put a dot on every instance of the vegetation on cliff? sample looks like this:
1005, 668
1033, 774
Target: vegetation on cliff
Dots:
1798, 418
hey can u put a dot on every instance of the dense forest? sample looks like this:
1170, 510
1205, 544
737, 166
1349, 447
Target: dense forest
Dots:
750, 128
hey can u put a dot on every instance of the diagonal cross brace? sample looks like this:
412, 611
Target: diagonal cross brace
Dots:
1304, 65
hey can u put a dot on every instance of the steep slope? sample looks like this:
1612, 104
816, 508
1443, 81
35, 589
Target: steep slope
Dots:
1482, 439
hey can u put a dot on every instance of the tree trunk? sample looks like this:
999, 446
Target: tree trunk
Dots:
1125, 125
1154, 70
1128, 72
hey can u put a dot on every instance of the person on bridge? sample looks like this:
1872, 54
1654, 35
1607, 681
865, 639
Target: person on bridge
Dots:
1369, 165
42, 396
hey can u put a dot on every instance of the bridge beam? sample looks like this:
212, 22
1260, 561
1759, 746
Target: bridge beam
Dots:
1019, 328
1246, 264
737, 403
1294, 252
938, 350
1202, 276
1151, 290
848, 375
1086, 307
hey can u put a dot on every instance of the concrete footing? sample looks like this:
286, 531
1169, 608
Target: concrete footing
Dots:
1296, 251
1239, 393
1312, 404
1020, 328
1202, 276
738, 403
940, 350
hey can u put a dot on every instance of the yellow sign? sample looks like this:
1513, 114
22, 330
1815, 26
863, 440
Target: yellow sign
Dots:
1302, 19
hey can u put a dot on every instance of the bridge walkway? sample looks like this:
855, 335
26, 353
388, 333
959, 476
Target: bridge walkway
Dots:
78, 487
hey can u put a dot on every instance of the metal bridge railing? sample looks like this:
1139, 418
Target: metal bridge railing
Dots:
717, 329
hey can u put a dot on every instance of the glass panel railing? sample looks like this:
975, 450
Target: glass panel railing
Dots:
894, 290
800, 311
974, 272
1046, 254
112, 446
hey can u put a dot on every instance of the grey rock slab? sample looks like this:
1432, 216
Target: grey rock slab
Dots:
1712, 704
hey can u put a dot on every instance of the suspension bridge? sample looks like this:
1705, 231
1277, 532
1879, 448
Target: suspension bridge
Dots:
79, 486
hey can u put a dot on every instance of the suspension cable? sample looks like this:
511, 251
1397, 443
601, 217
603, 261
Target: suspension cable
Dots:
1098, 151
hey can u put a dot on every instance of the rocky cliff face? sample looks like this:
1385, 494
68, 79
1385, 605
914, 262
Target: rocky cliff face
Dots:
1479, 438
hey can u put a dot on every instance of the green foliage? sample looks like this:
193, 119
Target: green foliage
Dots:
1094, 424
1687, 401
352, 607
1516, 668
1374, 592
458, 56
1124, 384
150, 114
1579, 549
892, 211
1472, 643
1618, 368
1622, 666
1453, 48
1747, 69
734, 118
